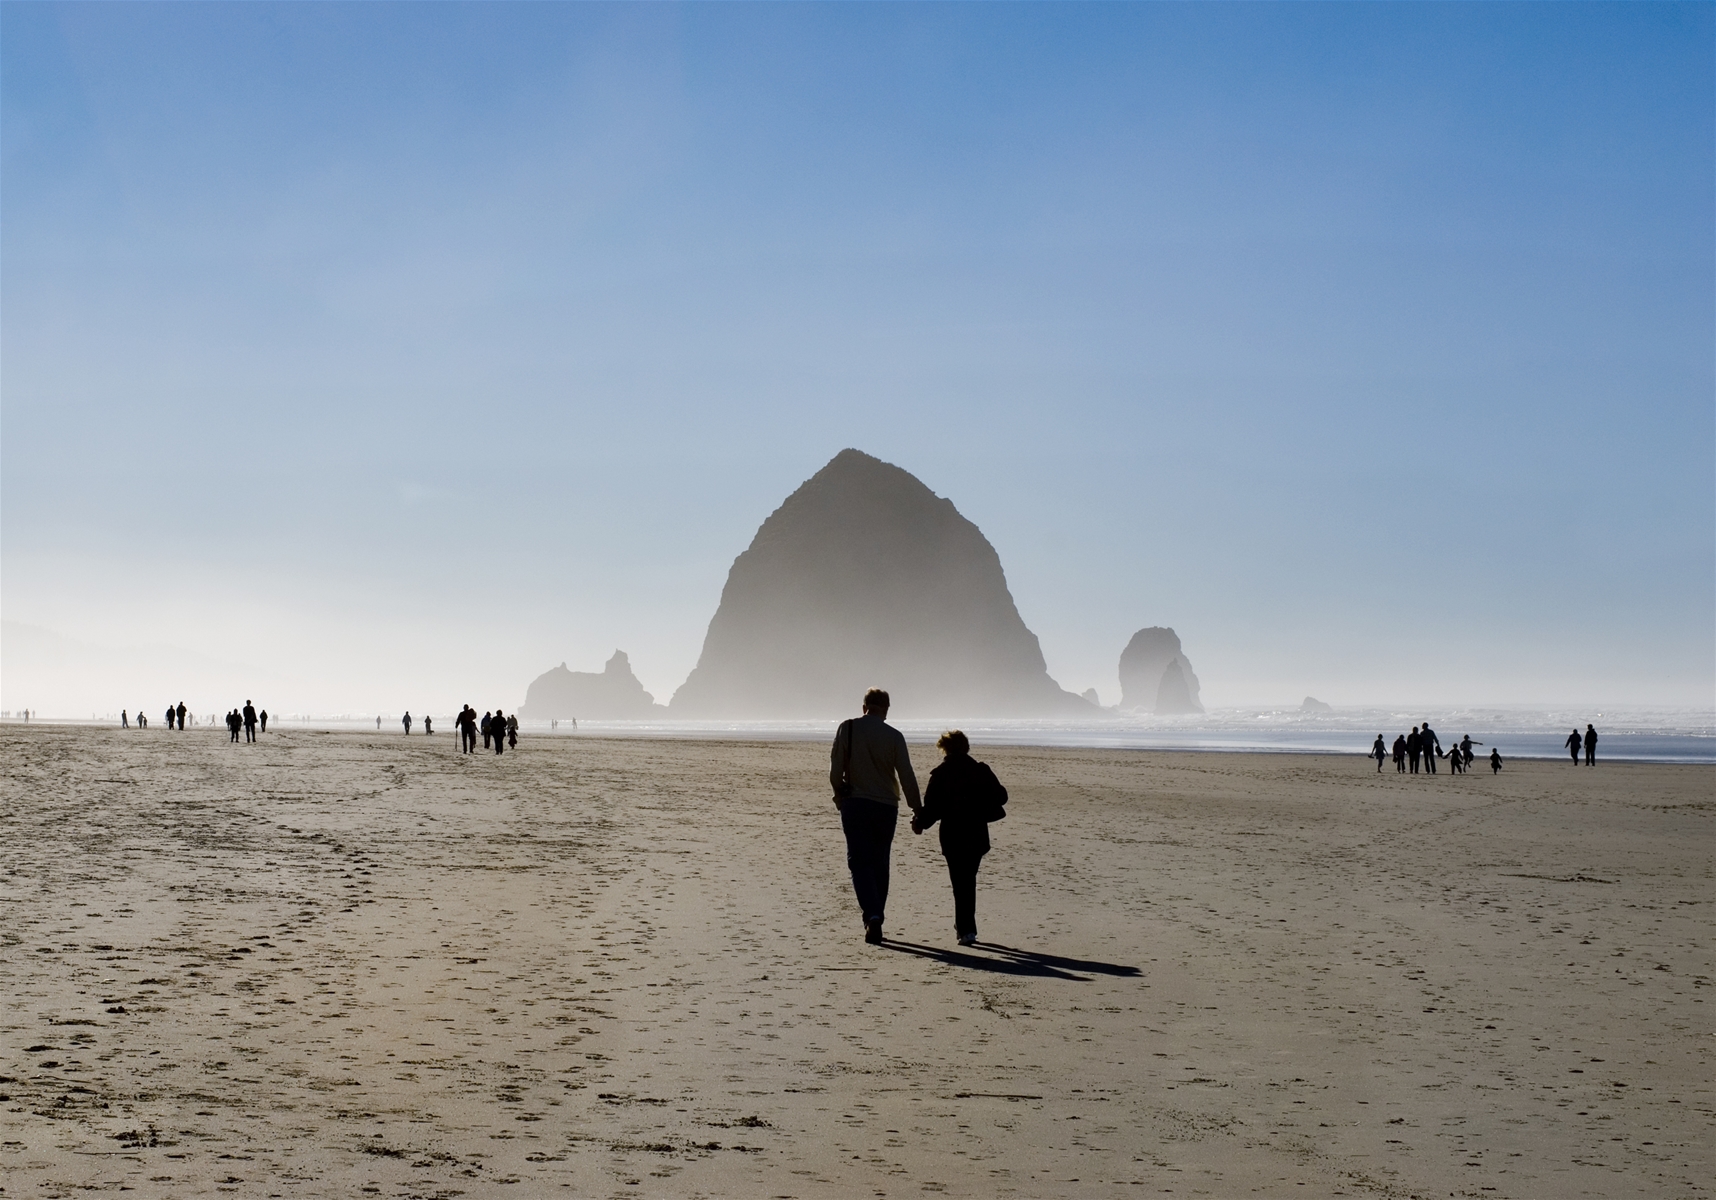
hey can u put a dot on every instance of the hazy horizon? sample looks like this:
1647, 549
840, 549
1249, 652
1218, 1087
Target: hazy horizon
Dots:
371, 358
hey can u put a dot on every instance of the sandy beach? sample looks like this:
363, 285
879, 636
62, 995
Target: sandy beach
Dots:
344, 965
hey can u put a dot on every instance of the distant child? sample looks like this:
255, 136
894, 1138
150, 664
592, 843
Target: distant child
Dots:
1495, 762
1456, 762
1379, 751
1400, 753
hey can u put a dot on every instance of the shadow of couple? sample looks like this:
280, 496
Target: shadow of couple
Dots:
1009, 960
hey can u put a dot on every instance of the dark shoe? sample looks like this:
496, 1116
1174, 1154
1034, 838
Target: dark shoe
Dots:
873, 932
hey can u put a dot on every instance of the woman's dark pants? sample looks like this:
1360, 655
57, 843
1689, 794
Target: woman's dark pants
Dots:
962, 869
869, 828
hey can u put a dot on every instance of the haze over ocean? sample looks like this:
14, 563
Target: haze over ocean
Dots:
366, 358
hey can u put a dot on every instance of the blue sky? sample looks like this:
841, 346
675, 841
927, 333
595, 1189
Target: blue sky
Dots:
391, 354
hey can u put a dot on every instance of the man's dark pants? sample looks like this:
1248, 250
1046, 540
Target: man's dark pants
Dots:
1430, 759
1414, 759
962, 870
249, 732
1590, 754
869, 827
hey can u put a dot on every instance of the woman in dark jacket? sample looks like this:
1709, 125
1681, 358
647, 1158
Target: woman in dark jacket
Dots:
964, 795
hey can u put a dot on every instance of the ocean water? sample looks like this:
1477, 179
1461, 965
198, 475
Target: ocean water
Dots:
1634, 735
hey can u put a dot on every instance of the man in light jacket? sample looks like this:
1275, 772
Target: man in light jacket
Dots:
870, 769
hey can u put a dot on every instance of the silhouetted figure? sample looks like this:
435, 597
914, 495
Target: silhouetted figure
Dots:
263, 717
181, 716
1400, 753
1379, 751
378, 724
233, 724
468, 729
406, 721
1414, 747
497, 731
1466, 744
142, 721
1574, 744
169, 716
512, 731
1495, 762
249, 722
1456, 763
869, 767
428, 727
1430, 745
124, 720
1590, 745
487, 722
964, 795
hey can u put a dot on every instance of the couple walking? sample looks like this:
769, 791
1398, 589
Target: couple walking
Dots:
870, 769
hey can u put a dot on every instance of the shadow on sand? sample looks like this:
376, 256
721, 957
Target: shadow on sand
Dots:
1006, 960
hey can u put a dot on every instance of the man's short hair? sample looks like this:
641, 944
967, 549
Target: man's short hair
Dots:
954, 742
876, 698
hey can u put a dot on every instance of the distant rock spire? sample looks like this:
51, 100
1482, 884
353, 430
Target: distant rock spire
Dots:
1155, 676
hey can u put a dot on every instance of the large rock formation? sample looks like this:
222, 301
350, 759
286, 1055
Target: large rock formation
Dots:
1155, 676
563, 695
864, 577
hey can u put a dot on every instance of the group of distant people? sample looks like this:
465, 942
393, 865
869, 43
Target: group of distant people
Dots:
495, 727
246, 719
1586, 742
1422, 743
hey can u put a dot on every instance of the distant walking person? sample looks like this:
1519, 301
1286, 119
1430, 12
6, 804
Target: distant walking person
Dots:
233, 722
870, 768
169, 716
263, 716
1590, 745
124, 721
487, 723
512, 731
468, 729
1414, 746
181, 716
497, 731
142, 721
964, 795
378, 724
1456, 763
1430, 745
428, 728
1400, 753
249, 722
1379, 751
406, 721
1574, 744
1495, 762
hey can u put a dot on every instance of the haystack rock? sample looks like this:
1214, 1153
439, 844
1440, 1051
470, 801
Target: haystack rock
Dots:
1313, 705
614, 694
864, 577
1155, 676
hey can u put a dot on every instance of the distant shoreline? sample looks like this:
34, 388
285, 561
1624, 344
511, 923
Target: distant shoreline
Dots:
1538, 746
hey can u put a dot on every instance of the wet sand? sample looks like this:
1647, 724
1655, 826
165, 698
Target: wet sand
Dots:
364, 965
